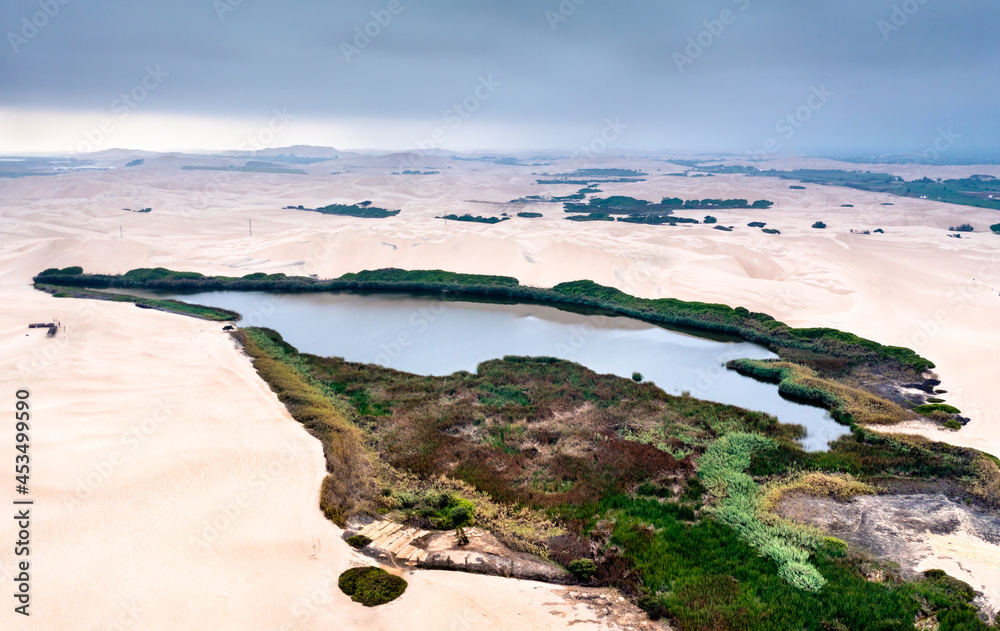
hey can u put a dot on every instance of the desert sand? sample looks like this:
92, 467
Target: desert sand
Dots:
173, 490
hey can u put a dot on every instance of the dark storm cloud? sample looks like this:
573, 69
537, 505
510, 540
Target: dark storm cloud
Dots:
706, 75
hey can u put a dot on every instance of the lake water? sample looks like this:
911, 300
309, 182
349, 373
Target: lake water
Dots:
436, 336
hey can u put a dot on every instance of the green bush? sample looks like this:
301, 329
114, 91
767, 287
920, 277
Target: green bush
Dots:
928, 408
582, 569
371, 586
460, 516
637, 377
358, 541
710, 219
995, 228
756, 224
953, 424
819, 225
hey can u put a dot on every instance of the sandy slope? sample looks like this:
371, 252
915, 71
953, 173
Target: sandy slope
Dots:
127, 539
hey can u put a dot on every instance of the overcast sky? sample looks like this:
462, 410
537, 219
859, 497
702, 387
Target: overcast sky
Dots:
852, 75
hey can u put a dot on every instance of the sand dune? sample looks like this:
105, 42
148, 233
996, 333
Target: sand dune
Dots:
150, 428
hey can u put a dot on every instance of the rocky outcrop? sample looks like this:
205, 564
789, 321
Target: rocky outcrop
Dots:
395, 544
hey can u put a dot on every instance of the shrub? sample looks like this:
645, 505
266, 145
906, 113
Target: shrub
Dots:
358, 541
879, 231
371, 586
460, 516
770, 231
527, 215
756, 224
995, 228
819, 225
953, 424
962, 228
928, 408
582, 569
637, 377
710, 219
797, 187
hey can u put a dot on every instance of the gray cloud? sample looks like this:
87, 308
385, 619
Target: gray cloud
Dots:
892, 88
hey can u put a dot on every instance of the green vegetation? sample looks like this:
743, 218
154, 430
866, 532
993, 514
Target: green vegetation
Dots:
364, 210
637, 377
135, 163
527, 215
995, 228
592, 217
358, 541
770, 231
936, 407
982, 191
371, 586
619, 204
819, 225
710, 219
847, 404
756, 224
723, 228
141, 210
170, 306
722, 471
582, 569
657, 220
796, 187
827, 349
585, 177
489, 220
962, 228
666, 498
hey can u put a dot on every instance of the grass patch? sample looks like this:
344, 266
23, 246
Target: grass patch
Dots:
363, 210
847, 404
214, 314
474, 219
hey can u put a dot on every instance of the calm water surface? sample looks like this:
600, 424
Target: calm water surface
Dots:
435, 336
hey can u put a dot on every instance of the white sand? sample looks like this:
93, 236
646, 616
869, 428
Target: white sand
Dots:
127, 539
